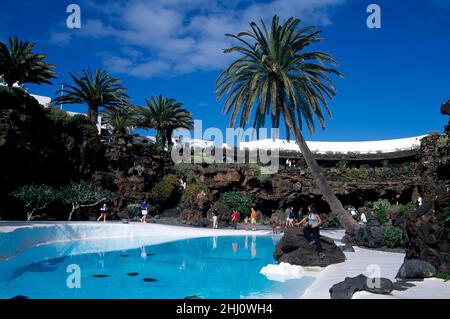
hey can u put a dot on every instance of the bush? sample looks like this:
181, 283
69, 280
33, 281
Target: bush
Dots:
185, 170
165, 190
444, 276
341, 165
381, 208
260, 177
237, 201
359, 173
192, 190
58, 116
393, 236
399, 210
442, 141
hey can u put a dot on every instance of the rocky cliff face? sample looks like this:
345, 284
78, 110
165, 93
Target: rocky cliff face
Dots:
295, 186
426, 228
37, 149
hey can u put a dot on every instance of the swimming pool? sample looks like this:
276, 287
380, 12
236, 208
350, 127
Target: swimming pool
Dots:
207, 267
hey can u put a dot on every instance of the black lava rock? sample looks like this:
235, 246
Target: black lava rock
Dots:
416, 269
293, 248
346, 288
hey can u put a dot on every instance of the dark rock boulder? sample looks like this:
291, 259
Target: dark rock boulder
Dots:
427, 238
347, 248
346, 288
293, 248
416, 269
370, 237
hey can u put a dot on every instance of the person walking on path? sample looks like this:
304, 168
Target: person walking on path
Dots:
215, 219
103, 212
253, 218
144, 211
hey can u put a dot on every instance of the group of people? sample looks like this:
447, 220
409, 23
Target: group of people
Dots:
143, 208
235, 219
362, 217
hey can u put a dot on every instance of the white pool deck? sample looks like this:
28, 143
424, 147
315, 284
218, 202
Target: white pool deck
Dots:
362, 261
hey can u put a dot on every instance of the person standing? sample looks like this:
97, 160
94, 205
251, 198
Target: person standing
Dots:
287, 213
246, 223
234, 218
363, 219
215, 219
312, 230
144, 211
103, 212
291, 217
253, 218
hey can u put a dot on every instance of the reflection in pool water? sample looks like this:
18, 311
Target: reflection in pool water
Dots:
209, 267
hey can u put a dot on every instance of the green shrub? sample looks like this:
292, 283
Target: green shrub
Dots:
381, 208
393, 236
58, 116
444, 276
192, 190
260, 177
399, 210
237, 201
341, 165
185, 170
165, 190
359, 173
442, 141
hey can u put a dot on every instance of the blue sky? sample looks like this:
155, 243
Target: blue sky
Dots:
396, 77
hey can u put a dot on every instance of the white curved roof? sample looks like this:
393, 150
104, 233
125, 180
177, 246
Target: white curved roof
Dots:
321, 147
383, 146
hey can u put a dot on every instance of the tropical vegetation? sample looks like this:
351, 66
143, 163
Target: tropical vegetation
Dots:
238, 201
97, 89
165, 115
20, 64
82, 194
35, 197
275, 75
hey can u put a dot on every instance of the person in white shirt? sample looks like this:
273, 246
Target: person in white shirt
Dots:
215, 219
363, 219
420, 201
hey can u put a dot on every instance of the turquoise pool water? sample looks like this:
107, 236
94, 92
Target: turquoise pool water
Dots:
210, 267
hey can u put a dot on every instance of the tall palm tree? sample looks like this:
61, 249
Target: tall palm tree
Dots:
120, 119
275, 75
19, 63
165, 115
98, 89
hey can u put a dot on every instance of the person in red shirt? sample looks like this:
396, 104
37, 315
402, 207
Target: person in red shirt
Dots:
234, 218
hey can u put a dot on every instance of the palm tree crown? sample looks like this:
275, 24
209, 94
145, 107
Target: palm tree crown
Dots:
276, 76
19, 64
120, 119
98, 89
165, 115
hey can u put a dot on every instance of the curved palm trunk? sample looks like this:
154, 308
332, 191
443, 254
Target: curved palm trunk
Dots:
344, 218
